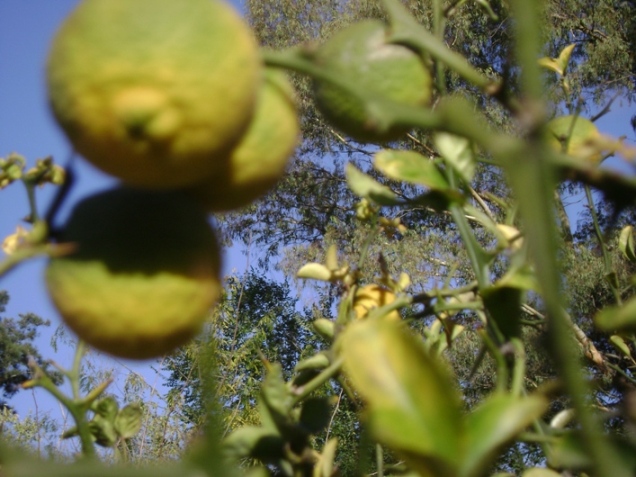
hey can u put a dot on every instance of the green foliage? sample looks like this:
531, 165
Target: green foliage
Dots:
17, 347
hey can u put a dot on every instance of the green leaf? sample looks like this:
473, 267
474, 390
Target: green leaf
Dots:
560, 64
325, 465
399, 431
410, 166
494, 424
412, 406
568, 452
503, 305
521, 277
365, 186
626, 243
325, 328
314, 271
439, 200
613, 318
317, 361
250, 441
315, 414
457, 151
128, 421
619, 343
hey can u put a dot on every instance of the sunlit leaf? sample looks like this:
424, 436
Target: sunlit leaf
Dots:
619, 343
412, 406
560, 64
457, 151
314, 271
365, 186
409, 166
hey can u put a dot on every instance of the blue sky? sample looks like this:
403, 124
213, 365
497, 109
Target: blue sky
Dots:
27, 127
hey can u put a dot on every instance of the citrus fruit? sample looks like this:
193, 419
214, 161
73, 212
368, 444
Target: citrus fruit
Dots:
259, 160
154, 92
369, 297
580, 135
361, 55
143, 273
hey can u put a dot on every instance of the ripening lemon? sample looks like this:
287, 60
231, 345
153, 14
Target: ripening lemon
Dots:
143, 274
369, 297
582, 137
259, 160
154, 92
361, 54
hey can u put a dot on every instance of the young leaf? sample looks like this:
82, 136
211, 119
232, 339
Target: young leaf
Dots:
560, 64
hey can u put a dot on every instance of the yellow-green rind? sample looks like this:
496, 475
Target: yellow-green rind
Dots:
361, 55
259, 160
111, 311
143, 276
154, 92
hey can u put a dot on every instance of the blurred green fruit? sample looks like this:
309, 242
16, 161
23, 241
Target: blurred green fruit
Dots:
143, 274
259, 160
575, 136
154, 92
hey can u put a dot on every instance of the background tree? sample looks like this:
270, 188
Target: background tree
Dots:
16, 348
